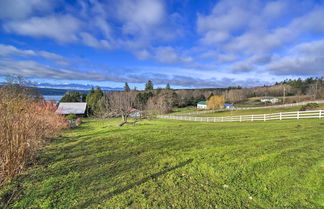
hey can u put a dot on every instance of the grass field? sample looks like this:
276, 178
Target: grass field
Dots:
256, 111
185, 110
178, 164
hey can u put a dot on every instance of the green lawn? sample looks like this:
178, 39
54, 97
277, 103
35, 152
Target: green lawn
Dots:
256, 111
178, 164
184, 110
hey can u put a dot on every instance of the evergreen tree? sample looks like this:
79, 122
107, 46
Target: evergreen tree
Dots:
71, 96
92, 90
141, 99
149, 85
168, 86
210, 96
83, 97
93, 98
126, 87
200, 98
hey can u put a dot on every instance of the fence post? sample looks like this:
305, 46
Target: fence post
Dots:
280, 116
320, 114
264, 117
252, 118
222, 119
214, 119
297, 114
240, 118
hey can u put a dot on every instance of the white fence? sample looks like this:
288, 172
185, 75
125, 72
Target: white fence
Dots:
249, 108
259, 117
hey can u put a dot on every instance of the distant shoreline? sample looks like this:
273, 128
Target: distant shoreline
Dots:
55, 98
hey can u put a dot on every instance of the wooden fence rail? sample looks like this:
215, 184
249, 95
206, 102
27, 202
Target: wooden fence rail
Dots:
258, 117
249, 108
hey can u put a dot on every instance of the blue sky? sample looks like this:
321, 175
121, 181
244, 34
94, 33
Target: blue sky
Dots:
190, 44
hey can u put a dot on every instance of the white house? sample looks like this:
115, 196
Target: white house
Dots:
66, 108
270, 99
202, 105
228, 106
134, 113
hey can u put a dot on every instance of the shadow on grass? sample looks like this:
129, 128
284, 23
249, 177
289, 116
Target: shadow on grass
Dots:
137, 183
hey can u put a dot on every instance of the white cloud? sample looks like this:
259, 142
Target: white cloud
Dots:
21, 8
214, 37
261, 41
165, 54
305, 59
63, 28
9, 51
32, 69
140, 15
275, 9
142, 54
311, 22
313, 48
90, 40
110, 24
6, 50
253, 28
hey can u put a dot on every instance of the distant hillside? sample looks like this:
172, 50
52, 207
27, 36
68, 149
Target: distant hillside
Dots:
50, 91
56, 91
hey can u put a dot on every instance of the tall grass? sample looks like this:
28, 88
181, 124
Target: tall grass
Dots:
24, 125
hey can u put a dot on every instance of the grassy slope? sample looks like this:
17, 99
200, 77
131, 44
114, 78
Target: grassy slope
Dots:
180, 164
256, 111
184, 110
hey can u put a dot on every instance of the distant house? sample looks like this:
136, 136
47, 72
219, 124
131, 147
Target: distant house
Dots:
67, 108
202, 105
134, 113
270, 99
228, 106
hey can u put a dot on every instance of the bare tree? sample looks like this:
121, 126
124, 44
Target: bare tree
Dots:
235, 95
161, 103
18, 86
120, 104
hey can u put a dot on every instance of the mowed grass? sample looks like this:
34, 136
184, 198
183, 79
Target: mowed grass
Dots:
178, 164
257, 111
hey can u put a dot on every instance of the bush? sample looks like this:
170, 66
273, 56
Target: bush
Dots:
309, 106
24, 127
71, 117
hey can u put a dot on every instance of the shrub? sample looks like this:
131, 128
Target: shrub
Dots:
71, 117
309, 106
24, 126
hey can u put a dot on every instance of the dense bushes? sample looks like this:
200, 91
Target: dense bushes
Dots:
309, 106
71, 117
24, 124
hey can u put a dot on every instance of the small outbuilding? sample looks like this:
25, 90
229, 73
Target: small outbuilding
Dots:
273, 100
228, 106
202, 105
67, 108
134, 113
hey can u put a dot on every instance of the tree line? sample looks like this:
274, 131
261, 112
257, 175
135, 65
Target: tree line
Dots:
161, 100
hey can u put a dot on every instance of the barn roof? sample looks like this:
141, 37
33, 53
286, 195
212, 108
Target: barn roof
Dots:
202, 102
66, 108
